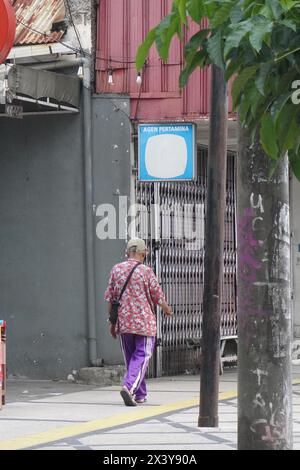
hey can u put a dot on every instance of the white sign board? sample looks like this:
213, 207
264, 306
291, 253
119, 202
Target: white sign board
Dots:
167, 152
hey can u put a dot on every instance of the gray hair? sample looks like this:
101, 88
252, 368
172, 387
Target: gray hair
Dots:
132, 249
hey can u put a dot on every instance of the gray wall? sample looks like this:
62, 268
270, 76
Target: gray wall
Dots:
42, 269
42, 236
112, 172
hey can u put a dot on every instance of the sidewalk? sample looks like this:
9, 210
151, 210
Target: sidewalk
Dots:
55, 415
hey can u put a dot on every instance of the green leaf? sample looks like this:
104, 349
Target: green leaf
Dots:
211, 8
288, 5
244, 109
199, 60
222, 14
291, 135
144, 48
196, 41
287, 128
241, 81
261, 27
214, 49
169, 26
181, 5
272, 167
231, 69
252, 95
289, 24
268, 136
262, 77
278, 106
196, 9
283, 84
266, 12
236, 14
275, 7
236, 35
294, 159
165, 31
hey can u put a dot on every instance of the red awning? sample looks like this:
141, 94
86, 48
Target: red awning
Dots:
7, 29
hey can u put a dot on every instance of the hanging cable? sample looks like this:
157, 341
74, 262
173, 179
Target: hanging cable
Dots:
85, 53
74, 27
74, 49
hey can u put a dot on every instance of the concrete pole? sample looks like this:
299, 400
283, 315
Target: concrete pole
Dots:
264, 302
214, 252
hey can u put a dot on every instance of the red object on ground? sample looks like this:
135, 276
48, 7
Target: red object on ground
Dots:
7, 29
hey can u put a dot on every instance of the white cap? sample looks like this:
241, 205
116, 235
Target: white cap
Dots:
138, 244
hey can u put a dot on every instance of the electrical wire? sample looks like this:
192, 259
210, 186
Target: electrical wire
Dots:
85, 53
74, 27
113, 69
129, 62
137, 105
117, 61
74, 49
117, 108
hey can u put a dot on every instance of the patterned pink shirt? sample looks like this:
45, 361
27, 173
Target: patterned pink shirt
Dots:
136, 312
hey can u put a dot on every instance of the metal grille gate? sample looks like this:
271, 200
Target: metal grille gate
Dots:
171, 218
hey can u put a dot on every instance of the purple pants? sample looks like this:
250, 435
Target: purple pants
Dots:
137, 351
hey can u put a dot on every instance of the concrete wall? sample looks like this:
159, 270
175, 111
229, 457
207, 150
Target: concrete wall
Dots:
42, 236
295, 218
83, 16
112, 173
42, 268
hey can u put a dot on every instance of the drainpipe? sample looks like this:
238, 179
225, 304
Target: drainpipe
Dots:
89, 225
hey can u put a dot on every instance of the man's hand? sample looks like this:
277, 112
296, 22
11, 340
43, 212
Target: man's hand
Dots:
112, 329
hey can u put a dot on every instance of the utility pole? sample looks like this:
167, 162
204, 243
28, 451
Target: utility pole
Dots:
214, 251
264, 302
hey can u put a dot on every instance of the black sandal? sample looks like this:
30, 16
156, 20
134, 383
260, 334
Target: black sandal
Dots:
127, 397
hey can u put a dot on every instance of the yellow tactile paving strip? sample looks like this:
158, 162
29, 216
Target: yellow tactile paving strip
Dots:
135, 415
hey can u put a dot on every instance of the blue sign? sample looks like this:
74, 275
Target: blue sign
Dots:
167, 152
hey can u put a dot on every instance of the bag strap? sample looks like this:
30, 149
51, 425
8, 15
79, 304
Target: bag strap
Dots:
127, 280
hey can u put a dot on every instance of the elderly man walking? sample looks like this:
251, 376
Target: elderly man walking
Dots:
137, 289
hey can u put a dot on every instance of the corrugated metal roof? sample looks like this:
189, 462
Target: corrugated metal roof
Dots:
35, 19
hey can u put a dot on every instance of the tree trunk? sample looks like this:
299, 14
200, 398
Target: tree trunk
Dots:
264, 301
214, 252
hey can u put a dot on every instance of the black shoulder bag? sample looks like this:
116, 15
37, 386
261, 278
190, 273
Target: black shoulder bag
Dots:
113, 316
